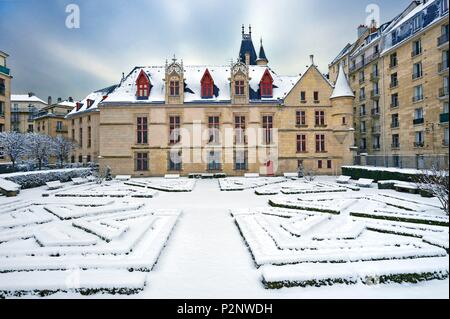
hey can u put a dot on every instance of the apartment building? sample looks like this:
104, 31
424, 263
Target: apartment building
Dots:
51, 120
5, 97
24, 107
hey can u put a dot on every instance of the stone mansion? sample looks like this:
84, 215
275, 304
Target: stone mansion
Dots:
230, 119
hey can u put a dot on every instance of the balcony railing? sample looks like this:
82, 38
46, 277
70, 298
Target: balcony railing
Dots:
393, 84
442, 39
417, 75
375, 112
357, 66
393, 64
374, 56
443, 118
394, 105
374, 94
395, 124
443, 92
418, 121
443, 66
417, 98
419, 144
4, 69
362, 98
395, 145
415, 53
376, 129
376, 146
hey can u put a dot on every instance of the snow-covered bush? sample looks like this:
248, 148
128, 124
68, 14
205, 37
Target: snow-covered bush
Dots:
39, 178
435, 182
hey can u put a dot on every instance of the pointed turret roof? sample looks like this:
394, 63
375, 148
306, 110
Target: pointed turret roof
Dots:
247, 47
262, 53
342, 87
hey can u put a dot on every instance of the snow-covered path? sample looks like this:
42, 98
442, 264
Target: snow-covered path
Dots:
206, 256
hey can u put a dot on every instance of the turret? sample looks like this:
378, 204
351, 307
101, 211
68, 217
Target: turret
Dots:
262, 59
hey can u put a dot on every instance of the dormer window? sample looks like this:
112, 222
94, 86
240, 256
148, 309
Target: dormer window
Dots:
207, 84
79, 105
174, 88
89, 103
143, 86
266, 85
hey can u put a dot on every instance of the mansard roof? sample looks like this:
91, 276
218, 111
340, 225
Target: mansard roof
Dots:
126, 91
96, 96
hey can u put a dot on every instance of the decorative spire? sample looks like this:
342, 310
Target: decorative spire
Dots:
342, 87
262, 58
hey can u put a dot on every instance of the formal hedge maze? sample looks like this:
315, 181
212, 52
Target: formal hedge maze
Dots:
319, 240
304, 187
176, 185
243, 183
67, 244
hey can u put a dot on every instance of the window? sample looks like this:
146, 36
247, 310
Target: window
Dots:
320, 143
444, 7
394, 80
375, 70
417, 23
2, 108
80, 158
316, 96
417, 70
344, 120
329, 164
207, 84
361, 77
142, 130
418, 113
320, 118
73, 132
89, 103
88, 159
89, 137
300, 164
393, 60
239, 87
418, 93
2, 128
214, 161
363, 127
267, 129
445, 108
214, 126
320, 164
416, 48
445, 141
2, 87
141, 162
142, 86
362, 94
300, 118
376, 142
395, 121
362, 110
303, 96
175, 160
394, 100
80, 136
239, 126
174, 130
174, 88
363, 144
30, 128
419, 139
240, 160
395, 141
72, 159
301, 143
266, 84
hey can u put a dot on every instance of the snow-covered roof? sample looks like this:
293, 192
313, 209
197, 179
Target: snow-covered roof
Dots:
26, 98
96, 96
342, 87
126, 91
67, 103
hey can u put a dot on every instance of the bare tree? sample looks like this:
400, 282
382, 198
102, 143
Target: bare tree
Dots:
310, 175
38, 147
435, 182
62, 148
13, 145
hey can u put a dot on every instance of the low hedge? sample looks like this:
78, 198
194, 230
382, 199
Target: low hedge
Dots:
39, 178
380, 174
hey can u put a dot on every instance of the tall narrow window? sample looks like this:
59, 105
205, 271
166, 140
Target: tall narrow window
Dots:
89, 136
329, 164
214, 126
266, 85
320, 164
239, 126
175, 160
320, 118
267, 129
80, 136
174, 88
303, 96
174, 130
240, 160
239, 87
207, 84
316, 96
214, 162
141, 162
300, 118
320, 143
142, 130
301, 143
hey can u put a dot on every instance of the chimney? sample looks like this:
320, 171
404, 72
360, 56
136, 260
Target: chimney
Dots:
311, 57
49, 100
70, 99
30, 94
361, 30
59, 100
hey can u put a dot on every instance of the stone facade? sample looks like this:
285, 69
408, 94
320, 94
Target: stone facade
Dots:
5, 98
401, 105
24, 107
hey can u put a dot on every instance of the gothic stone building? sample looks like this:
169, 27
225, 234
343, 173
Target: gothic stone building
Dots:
217, 119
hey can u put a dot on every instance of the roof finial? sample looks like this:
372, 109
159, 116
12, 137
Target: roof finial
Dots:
243, 29
261, 41
250, 29
312, 59
174, 59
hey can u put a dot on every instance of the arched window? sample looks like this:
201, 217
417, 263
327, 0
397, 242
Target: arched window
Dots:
207, 83
142, 86
266, 85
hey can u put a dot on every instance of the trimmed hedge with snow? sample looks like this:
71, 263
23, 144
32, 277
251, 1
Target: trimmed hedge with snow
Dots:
39, 178
381, 173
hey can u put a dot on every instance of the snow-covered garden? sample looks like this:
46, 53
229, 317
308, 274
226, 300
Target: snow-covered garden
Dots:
222, 238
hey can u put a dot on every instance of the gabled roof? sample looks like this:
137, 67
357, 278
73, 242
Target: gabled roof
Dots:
26, 98
96, 96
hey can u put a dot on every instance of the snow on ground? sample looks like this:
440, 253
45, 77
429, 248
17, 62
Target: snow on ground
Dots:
206, 256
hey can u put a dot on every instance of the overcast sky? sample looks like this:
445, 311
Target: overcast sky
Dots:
48, 58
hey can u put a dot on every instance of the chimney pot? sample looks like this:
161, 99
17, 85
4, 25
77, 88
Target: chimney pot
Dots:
49, 100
